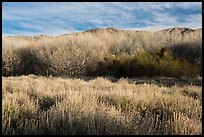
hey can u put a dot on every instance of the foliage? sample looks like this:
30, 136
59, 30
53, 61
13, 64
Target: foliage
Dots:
118, 61
142, 63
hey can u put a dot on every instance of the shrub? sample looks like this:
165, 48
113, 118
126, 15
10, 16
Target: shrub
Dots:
60, 60
146, 64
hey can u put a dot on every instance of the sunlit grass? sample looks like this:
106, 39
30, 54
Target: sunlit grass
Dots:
40, 105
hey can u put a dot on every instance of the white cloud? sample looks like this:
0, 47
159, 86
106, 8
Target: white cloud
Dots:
164, 18
57, 18
188, 5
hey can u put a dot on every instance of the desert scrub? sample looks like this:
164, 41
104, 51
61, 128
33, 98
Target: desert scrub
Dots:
40, 105
49, 60
161, 63
61, 59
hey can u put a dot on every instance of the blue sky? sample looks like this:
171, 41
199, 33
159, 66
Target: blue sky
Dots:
56, 18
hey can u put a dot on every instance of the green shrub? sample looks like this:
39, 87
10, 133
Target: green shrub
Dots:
146, 64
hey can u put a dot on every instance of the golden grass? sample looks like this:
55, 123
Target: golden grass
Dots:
140, 106
40, 105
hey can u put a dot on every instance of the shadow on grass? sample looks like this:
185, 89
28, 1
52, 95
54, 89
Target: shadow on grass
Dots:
160, 81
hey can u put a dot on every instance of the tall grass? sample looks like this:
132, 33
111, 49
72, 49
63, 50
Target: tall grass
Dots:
55, 106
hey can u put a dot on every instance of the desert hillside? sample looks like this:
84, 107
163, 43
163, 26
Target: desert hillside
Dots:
106, 51
98, 83
116, 37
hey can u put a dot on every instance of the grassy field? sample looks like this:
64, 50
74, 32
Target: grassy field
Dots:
103, 81
140, 106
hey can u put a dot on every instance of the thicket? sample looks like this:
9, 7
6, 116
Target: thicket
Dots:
45, 60
161, 63
69, 60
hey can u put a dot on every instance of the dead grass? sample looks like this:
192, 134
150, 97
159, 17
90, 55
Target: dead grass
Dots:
40, 105
82, 105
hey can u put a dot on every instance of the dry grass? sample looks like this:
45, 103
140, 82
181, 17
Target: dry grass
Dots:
40, 105
85, 105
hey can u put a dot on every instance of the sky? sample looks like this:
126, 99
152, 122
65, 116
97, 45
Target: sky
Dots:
57, 18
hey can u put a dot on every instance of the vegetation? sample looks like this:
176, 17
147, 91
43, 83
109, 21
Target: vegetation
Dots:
146, 64
73, 60
56, 106
130, 87
45, 60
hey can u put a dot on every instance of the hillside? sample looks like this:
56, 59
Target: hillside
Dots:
103, 82
106, 51
112, 36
